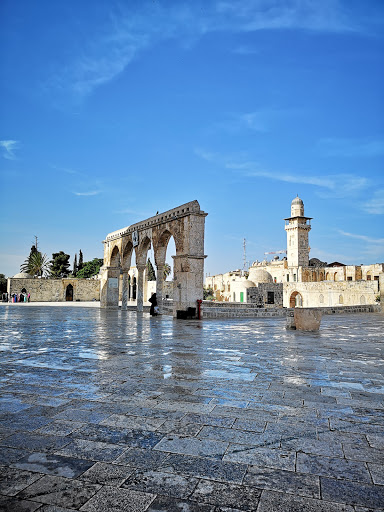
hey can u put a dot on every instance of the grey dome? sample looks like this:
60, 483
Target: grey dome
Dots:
298, 201
22, 275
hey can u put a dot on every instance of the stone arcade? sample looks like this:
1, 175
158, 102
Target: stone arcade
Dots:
186, 225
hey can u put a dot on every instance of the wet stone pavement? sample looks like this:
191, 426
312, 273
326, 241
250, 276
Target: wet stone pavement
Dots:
104, 411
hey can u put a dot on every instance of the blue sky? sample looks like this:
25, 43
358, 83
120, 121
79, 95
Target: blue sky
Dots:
113, 110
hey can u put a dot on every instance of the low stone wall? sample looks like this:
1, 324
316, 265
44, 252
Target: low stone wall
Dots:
237, 310
54, 290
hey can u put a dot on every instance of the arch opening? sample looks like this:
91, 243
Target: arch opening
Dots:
295, 300
69, 293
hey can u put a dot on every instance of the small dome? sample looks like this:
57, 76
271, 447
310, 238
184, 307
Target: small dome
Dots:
260, 276
298, 201
22, 275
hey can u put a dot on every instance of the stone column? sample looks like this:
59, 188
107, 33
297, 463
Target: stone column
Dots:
124, 300
109, 288
188, 283
159, 286
140, 287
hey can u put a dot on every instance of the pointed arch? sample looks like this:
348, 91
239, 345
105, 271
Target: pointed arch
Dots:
115, 257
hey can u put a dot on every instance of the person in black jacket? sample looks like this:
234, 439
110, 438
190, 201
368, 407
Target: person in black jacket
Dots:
153, 301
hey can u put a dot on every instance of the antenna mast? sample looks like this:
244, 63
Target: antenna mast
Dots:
244, 254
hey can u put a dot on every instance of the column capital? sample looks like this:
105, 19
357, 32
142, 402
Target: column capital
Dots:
141, 268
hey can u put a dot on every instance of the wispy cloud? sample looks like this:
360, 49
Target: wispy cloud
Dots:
367, 147
88, 193
364, 238
335, 185
9, 147
375, 205
128, 31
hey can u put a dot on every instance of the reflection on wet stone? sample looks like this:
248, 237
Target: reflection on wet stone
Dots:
229, 416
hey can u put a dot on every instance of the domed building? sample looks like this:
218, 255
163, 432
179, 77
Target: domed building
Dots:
298, 281
22, 275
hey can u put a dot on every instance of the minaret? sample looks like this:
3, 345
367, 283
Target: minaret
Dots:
297, 227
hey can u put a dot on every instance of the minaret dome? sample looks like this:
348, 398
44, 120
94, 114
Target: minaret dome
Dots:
297, 207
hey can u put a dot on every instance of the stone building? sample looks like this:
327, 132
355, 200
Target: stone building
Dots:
303, 282
43, 289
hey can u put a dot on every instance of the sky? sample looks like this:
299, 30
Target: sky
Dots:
113, 110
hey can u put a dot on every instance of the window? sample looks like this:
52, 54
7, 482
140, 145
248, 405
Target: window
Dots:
349, 278
287, 278
321, 299
368, 277
341, 300
362, 299
270, 297
234, 297
294, 277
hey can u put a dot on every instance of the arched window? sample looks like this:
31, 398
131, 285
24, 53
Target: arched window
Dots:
341, 299
362, 300
327, 276
296, 300
321, 298
228, 287
314, 276
321, 277
335, 276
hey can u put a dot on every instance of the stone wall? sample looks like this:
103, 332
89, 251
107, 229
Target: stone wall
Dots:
331, 294
259, 295
54, 290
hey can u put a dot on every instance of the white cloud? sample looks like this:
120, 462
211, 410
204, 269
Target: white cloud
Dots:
334, 185
128, 31
375, 205
89, 193
9, 147
364, 238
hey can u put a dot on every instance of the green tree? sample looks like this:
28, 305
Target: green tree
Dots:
208, 294
90, 268
36, 264
167, 271
3, 283
81, 263
59, 265
74, 271
151, 276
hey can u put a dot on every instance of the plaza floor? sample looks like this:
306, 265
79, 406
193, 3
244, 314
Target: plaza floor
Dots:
105, 411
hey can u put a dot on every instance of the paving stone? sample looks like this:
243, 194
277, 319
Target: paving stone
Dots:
353, 493
192, 446
227, 495
206, 419
377, 473
300, 484
141, 458
132, 422
63, 492
91, 450
113, 435
376, 440
50, 464
271, 501
36, 442
112, 499
363, 453
230, 435
333, 467
180, 428
9, 455
250, 425
60, 428
81, 415
157, 482
269, 457
205, 468
9, 504
313, 446
165, 504
13, 480
24, 423
107, 474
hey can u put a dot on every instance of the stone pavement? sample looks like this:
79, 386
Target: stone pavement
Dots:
104, 411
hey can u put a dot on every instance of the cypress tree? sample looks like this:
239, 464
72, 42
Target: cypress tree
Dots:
151, 276
74, 272
81, 263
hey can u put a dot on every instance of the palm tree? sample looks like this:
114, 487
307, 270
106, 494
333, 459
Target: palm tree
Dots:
36, 264
167, 271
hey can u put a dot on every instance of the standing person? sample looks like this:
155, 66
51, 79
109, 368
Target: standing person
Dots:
29, 297
153, 301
